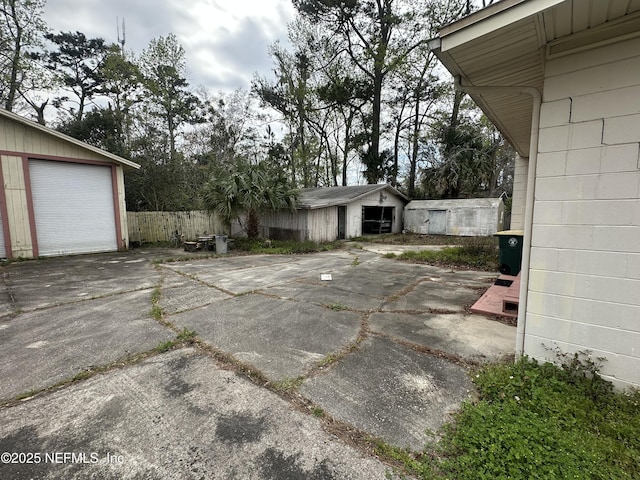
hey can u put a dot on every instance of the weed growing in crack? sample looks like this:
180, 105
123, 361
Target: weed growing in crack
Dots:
338, 307
165, 346
156, 310
187, 336
288, 384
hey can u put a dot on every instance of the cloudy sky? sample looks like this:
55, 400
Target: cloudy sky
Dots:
225, 41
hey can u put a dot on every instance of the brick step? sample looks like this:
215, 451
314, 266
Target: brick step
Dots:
501, 298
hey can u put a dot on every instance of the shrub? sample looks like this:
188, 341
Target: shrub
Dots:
540, 421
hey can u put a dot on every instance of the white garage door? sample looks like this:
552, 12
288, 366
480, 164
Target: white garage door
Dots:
73, 207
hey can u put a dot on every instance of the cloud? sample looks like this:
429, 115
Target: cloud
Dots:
225, 41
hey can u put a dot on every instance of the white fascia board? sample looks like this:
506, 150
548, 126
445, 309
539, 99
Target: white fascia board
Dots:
484, 26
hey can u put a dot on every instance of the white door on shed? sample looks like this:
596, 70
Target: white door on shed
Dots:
437, 222
73, 207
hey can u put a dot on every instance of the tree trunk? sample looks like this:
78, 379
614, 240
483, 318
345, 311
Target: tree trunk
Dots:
253, 224
15, 59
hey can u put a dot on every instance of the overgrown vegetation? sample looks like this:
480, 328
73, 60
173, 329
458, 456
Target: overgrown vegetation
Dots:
420, 239
539, 421
480, 253
282, 246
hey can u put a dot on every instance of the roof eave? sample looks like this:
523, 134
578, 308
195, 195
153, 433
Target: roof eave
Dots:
471, 33
343, 201
490, 19
453, 68
48, 131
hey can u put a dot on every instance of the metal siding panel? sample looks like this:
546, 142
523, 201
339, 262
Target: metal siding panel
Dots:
562, 19
599, 13
617, 9
581, 15
73, 207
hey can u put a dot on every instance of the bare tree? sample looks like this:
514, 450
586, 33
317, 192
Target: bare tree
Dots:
21, 30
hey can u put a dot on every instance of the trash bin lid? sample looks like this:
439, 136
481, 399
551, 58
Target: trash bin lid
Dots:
510, 233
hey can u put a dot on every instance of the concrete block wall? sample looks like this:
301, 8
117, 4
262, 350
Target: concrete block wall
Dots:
584, 291
518, 200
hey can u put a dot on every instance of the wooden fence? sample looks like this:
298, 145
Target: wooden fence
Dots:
151, 227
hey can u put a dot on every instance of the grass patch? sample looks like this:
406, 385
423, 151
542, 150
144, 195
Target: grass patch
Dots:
479, 256
540, 421
417, 239
260, 246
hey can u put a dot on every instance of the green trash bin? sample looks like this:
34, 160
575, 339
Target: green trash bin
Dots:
510, 242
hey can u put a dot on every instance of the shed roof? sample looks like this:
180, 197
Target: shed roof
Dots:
48, 131
330, 196
454, 203
507, 44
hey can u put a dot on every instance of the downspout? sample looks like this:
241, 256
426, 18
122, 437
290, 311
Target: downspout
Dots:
530, 198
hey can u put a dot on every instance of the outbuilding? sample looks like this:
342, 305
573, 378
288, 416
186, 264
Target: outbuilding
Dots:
58, 195
337, 213
561, 80
473, 217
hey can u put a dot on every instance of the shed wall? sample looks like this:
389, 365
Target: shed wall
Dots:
321, 224
17, 206
15, 137
317, 225
354, 212
285, 225
585, 257
463, 221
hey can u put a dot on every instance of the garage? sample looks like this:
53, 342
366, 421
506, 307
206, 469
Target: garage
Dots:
72, 216
377, 219
60, 196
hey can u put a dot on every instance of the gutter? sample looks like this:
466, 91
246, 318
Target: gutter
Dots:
530, 198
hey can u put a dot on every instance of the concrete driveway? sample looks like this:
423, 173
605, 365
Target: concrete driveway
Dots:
296, 361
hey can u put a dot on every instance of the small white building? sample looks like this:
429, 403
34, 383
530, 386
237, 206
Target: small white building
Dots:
336, 213
473, 217
561, 80
58, 195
